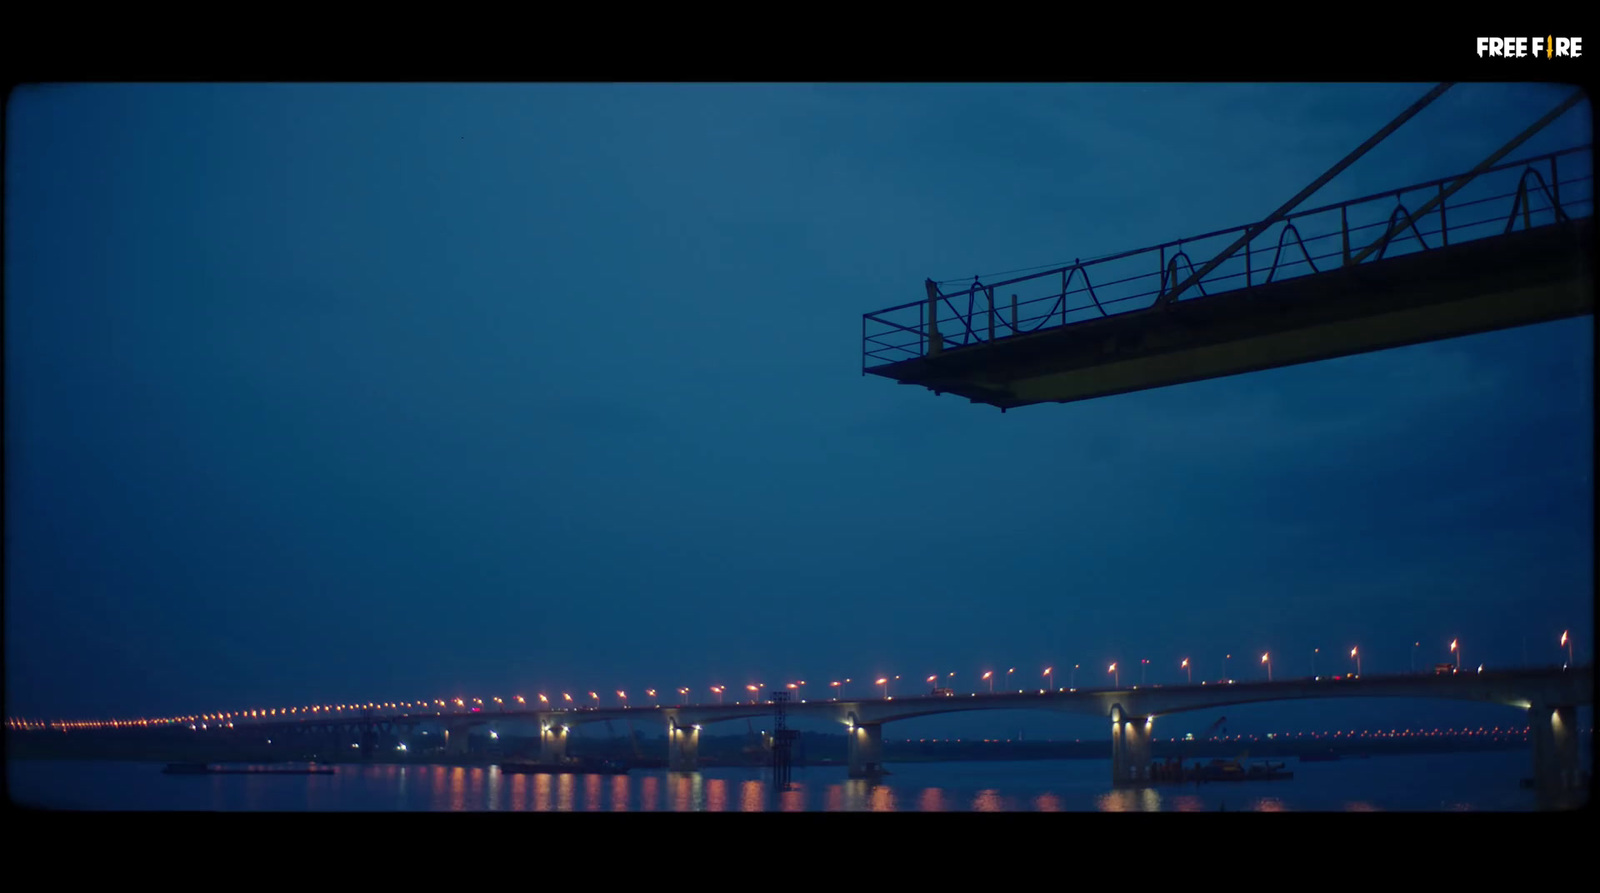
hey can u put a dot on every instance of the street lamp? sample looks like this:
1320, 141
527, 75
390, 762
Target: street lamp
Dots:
1567, 641
932, 681
1050, 677
838, 689
988, 675
1357, 656
754, 691
683, 696
1188, 669
1115, 676
1072, 678
1455, 648
652, 694
622, 696
1414, 647
1267, 659
884, 681
1142, 664
1008, 677
717, 690
1225, 660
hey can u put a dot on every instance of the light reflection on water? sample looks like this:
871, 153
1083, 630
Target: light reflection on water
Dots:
988, 801
1432, 783
750, 796
541, 793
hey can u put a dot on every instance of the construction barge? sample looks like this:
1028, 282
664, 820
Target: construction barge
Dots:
209, 769
1173, 771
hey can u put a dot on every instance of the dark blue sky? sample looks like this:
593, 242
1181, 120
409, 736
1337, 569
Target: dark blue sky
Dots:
320, 393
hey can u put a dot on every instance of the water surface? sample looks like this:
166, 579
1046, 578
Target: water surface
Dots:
1428, 782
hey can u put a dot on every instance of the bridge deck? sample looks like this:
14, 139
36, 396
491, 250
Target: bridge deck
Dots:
1519, 279
1462, 268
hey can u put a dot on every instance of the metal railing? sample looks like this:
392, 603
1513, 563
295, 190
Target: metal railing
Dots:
1538, 191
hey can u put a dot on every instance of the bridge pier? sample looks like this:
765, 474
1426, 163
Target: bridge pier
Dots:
864, 747
1554, 731
683, 747
552, 743
455, 740
1130, 747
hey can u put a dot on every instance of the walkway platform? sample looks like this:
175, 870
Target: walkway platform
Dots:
1518, 279
1512, 248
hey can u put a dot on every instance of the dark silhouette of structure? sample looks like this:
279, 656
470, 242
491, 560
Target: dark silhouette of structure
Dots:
783, 739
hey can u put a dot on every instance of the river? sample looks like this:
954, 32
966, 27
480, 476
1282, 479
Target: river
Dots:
1414, 782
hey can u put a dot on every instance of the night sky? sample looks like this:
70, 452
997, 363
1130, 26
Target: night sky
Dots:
359, 392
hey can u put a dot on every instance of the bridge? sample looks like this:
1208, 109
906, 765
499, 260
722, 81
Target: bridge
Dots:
1548, 697
1500, 246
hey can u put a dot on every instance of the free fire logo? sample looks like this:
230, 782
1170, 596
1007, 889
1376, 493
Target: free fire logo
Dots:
1548, 47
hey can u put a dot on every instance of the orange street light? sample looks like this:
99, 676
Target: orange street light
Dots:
1115, 676
1187, 669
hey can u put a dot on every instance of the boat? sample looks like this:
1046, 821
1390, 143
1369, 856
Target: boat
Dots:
208, 769
571, 767
1234, 770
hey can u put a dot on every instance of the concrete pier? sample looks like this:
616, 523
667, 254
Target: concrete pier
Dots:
683, 747
455, 741
552, 743
1130, 747
864, 746
1556, 775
